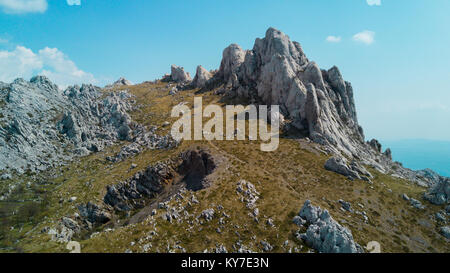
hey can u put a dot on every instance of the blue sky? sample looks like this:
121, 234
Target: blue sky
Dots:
395, 52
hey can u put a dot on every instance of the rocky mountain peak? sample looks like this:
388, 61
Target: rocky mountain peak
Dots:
276, 71
317, 103
277, 43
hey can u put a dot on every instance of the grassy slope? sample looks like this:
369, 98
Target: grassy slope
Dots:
285, 179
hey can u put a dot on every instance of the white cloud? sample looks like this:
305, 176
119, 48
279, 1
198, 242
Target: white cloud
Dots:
51, 62
74, 2
23, 6
366, 37
333, 39
374, 2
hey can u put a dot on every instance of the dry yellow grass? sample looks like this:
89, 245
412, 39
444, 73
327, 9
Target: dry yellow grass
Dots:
285, 179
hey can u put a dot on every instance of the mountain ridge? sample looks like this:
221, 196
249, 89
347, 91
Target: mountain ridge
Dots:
134, 189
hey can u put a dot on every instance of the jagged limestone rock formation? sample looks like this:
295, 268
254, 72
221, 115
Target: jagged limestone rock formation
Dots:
353, 170
144, 139
276, 71
248, 193
94, 214
339, 165
323, 233
375, 144
90, 117
317, 102
202, 76
233, 57
195, 166
179, 75
439, 194
191, 167
207, 214
27, 133
120, 82
43, 127
127, 195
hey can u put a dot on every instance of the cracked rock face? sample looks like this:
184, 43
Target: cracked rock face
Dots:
325, 234
43, 127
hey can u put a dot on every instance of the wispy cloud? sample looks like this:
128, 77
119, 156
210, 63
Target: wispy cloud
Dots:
374, 2
51, 62
366, 37
23, 6
333, 39
74, 2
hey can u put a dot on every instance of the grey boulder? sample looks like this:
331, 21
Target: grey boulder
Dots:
325, 234
353, 171
445, 231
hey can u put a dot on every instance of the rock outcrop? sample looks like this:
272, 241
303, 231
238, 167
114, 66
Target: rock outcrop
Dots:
195, 167
129, 194
94, 214
445, 231
43, 127
278, 72
416, 203
248, 193
202, 76
179, 75
323, 233
318, 103
439, 194
207, 214
120, 82
353, 171
190, 168
144, 139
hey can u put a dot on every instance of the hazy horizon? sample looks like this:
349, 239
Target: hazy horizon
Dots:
419, 154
